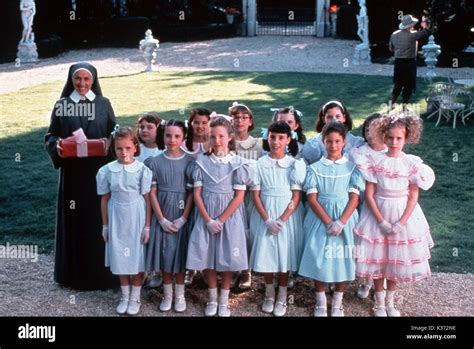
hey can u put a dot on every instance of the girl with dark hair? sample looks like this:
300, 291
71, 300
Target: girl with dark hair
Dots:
314, 149
171, 200
333, 186
147, 125
293, 118
197, 137
276, 222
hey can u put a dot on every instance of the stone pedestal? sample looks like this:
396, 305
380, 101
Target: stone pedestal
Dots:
431, 51
361, 55
27, 52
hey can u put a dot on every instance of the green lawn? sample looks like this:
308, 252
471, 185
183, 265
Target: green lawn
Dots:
28, 182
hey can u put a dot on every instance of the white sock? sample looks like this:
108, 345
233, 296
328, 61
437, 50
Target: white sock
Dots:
125, 292
212, 294
380, 299
321, 299
179, 290
270, 291
282, 293
224, 297
390, 298
168, 290
135, 293
337, 299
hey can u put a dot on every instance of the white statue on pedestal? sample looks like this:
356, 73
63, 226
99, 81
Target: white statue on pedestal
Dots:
149, 46
28, 11
27, 50
362, 50
363, 24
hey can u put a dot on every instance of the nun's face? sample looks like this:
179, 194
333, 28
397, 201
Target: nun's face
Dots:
82, 82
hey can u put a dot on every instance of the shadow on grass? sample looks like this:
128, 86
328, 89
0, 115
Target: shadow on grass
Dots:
29, 182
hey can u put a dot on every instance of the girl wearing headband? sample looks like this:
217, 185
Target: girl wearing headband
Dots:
334, 110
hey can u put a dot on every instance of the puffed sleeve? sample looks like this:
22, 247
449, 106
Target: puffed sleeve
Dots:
255, 185
357, 183
103, 180
150, 164
368, 174
310, 183
242, 177
298, 175
422, 175
147, 176
189, 175
312, 151
197, 176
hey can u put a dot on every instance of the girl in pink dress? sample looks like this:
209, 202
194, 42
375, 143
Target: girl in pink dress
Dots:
394, 236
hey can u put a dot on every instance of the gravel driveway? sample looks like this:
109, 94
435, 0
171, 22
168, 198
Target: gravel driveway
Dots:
262, 53
29, 290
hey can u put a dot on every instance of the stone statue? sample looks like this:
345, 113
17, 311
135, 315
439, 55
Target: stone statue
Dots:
28, 11
149, 46
362, 50
363, 24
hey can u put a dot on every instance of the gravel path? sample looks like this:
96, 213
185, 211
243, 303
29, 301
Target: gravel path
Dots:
28, 290
262, 53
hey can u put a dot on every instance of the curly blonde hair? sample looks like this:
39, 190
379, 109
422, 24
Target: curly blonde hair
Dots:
413, 125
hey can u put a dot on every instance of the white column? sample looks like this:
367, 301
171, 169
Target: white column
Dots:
322, 18
251, 9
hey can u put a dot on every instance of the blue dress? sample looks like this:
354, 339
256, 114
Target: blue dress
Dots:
326, 257
227, 250
167, 251
314, 148
124, 252
275, 179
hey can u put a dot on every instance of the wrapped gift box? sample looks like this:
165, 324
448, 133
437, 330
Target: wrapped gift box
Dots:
88, 148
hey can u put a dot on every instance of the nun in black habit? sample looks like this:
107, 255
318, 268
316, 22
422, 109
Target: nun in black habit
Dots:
80, 249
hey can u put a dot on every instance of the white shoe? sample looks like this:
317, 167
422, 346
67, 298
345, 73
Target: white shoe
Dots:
122, 306
224, 310
320, 311
179, 304
280, 309
392, 311
380, 311
363, 291
133, 307
211, 309
337, 311
165, 304
268, 305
